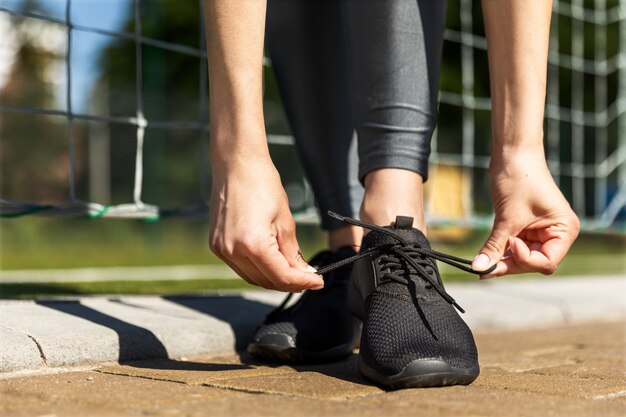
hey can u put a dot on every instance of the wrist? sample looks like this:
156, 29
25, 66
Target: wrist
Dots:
237, 160
231, 156
517, 124
514, 151
517, 162
510, 147
237, 137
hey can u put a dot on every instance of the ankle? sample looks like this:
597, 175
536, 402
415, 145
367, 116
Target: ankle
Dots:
386, 215
345, 236
393, 192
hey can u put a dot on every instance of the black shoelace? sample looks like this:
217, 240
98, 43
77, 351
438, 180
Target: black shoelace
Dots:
283, 305
416, 257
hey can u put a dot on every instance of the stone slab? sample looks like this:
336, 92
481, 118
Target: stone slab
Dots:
103, 329
95, 394
18, 351
92, 330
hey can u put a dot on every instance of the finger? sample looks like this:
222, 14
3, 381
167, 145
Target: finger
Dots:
244, 269
531, 257
238, 270
506, 266
256, 275
510, 264
288, 246
550, 254
238, 261
495, 246
273, 265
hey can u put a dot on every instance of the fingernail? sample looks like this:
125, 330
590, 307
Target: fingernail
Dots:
319, 287
480, 262
309, 268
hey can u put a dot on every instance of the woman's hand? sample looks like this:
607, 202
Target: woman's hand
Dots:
252, 229
534, 225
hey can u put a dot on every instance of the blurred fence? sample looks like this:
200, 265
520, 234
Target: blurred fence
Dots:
585, 120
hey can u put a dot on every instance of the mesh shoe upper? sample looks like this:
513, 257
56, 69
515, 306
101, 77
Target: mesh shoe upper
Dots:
397, 332
405, 318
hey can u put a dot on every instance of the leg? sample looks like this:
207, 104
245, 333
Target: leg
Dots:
308, 55
305, 42
410, 337
395, 61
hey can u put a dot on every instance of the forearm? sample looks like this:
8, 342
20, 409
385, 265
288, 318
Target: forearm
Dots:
235, 31
517, 39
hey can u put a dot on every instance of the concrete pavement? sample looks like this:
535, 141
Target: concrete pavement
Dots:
565, 370
46, 334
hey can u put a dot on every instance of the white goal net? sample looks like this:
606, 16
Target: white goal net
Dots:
585, 120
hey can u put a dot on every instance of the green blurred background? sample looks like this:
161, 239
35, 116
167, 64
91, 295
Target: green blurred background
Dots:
34, 153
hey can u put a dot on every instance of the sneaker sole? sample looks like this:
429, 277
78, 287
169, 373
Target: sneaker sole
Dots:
279, 348
422, 374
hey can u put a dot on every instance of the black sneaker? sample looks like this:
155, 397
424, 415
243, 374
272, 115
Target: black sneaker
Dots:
318, 327
412, 336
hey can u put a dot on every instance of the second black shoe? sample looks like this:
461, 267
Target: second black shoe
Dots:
318, 327
412, 335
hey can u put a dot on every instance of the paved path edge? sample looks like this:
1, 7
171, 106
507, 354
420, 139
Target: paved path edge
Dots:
43, 334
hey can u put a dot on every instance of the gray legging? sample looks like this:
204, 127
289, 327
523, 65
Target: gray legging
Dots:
370, 66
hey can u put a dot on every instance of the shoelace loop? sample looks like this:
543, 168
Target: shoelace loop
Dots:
415, 256
393, 266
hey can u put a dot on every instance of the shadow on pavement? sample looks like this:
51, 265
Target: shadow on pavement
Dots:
242, 314
134, 342
139, 347
177, 365
345, 369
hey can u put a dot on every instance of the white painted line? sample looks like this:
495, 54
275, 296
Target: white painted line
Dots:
122, 273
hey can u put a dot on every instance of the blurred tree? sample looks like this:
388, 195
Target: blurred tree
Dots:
33, 149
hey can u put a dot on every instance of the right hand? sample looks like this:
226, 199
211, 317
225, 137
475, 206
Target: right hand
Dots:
252, 229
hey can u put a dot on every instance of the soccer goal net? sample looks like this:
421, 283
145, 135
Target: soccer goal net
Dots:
98, 139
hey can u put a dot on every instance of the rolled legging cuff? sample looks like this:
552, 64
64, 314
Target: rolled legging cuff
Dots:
411, 162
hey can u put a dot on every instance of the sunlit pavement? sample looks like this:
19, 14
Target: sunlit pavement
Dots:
572, 370
548, 347
76, 331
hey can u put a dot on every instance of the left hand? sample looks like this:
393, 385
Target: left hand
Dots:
534, 224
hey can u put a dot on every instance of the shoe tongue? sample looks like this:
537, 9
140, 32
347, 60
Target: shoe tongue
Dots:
403, 227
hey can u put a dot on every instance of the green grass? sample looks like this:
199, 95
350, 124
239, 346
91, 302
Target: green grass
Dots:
45, 243
42, 243
25, 291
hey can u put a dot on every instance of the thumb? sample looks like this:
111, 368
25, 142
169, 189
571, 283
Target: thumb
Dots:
493, 249
288, 246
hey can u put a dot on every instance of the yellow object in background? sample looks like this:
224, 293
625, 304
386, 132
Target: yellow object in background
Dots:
446, 192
